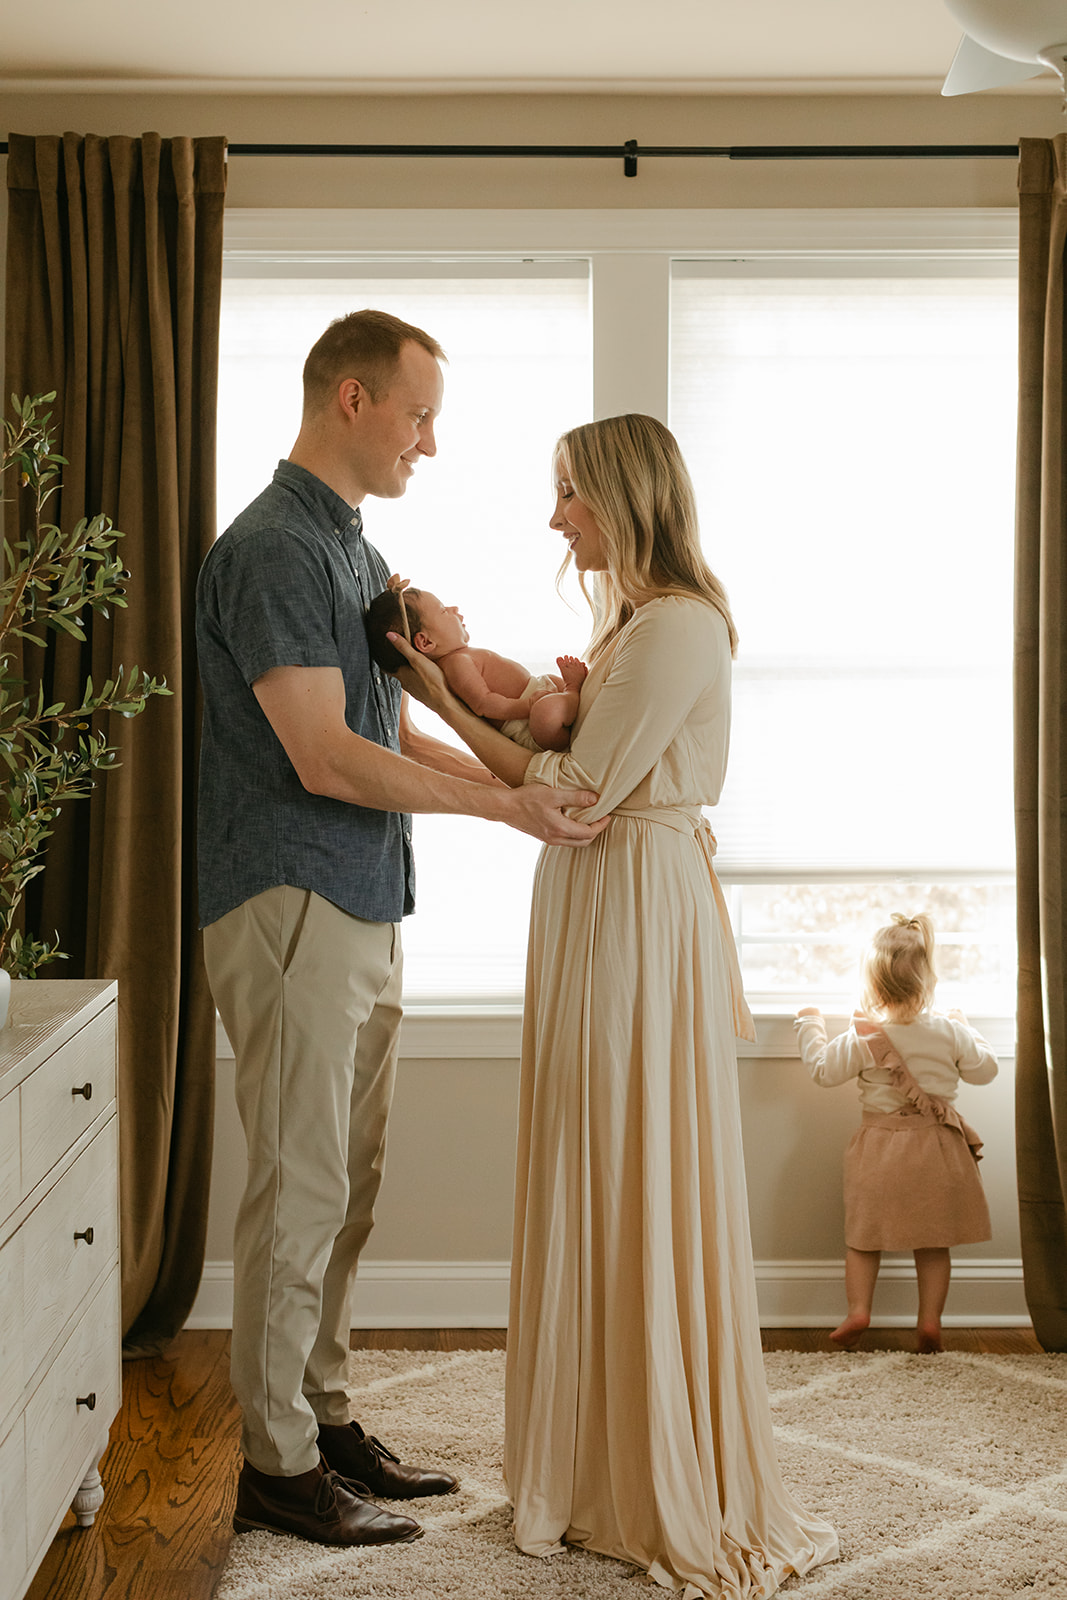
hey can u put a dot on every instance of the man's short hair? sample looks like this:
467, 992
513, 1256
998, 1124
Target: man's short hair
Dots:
364, 345
383, 616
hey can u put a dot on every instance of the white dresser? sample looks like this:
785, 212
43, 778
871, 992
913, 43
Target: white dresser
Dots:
60, 1335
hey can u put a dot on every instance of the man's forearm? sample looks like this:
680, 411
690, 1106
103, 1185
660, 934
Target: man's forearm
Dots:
440, 757
364, 774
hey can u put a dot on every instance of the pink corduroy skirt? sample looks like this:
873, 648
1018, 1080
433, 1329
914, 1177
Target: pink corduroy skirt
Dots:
912, 1183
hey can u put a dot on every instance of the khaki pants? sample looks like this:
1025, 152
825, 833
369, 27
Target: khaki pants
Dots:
310, 999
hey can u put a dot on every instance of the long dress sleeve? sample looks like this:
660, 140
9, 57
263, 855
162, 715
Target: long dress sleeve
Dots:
668, 672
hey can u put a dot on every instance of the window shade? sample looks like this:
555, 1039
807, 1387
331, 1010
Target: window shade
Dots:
472, 527
851, 439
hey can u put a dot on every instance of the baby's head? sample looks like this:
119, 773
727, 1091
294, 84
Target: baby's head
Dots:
898, 970
433, 628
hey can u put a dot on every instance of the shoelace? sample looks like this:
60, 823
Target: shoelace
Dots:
326, 1493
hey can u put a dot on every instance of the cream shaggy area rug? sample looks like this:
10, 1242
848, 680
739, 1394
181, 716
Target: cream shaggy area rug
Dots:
945, 1476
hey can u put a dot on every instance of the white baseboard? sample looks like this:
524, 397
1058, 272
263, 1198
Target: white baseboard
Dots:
792, 1294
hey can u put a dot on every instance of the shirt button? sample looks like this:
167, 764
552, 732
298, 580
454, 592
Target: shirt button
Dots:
407, 835
378, 679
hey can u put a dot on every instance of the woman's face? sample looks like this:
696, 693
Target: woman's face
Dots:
573, 518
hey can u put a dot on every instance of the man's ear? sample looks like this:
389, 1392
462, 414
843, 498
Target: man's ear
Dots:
351, 395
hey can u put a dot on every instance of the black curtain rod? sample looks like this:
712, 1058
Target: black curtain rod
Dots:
629, 152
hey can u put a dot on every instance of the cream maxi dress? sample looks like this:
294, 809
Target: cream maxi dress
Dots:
637, 1416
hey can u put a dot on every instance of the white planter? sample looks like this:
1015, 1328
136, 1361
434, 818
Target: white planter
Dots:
5, 995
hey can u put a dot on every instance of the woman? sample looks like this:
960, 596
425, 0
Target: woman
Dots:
637, 1416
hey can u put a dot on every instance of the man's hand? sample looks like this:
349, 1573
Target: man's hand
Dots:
539, 810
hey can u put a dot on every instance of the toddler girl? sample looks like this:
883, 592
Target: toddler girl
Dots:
910, 1176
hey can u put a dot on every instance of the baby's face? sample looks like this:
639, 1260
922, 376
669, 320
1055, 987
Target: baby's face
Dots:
441, 624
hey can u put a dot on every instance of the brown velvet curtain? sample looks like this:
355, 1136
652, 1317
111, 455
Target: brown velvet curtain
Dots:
114, 268
1040, 745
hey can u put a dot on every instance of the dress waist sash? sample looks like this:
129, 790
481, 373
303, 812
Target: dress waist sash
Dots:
691, 820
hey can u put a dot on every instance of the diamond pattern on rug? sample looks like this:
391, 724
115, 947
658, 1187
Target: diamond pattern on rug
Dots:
945, 1476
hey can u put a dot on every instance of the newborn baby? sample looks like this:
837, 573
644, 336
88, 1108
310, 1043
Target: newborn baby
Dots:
537, 712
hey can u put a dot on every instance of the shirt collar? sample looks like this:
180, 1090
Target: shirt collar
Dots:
319, 497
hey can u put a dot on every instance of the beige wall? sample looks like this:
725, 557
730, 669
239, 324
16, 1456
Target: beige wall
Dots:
448, 1187
579, 119
442, 1237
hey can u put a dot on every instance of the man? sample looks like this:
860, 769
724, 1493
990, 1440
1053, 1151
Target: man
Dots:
309, 769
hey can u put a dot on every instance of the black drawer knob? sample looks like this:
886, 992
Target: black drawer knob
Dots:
86, 1091
88, 1400
87, 1236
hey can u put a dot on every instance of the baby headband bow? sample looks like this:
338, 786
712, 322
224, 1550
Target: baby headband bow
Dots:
397, 585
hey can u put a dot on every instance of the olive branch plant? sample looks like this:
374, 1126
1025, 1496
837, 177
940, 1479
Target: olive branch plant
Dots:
49, 752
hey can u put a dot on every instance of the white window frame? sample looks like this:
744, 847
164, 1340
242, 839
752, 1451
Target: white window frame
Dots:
630, 254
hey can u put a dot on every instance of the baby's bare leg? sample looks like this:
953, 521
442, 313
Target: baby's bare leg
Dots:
550, 719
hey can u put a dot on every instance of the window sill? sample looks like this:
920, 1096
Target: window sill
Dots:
493, 1032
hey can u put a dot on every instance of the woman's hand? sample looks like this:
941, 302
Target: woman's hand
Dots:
422, 678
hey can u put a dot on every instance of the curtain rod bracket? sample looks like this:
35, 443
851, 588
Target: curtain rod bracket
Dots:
629, 159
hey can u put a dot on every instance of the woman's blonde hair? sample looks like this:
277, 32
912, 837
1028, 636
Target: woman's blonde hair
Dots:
898, 970
629, 471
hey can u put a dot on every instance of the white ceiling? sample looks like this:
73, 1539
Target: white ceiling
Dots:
771, 46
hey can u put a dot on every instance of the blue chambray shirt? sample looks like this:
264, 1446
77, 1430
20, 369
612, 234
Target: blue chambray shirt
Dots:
287, 585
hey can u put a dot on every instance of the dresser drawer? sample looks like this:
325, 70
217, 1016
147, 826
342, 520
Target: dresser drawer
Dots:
12, 1512
53, 1114
60, 1270
11, 1334
63, 1439
10, 1165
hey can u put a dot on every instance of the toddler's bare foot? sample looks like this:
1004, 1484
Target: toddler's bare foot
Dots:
851, 1331
929, 1340
572, 670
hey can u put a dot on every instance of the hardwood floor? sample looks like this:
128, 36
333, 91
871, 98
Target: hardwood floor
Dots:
171, 1468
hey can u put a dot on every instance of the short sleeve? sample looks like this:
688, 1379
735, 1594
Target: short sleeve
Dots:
273, 604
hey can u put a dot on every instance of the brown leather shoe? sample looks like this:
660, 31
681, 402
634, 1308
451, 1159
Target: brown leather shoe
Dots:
356, 1456
316, 1505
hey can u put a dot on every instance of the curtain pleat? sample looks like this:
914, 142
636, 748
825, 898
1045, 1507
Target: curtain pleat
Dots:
114, 270
1040, 747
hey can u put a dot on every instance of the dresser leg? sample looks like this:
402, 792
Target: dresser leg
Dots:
89, 1498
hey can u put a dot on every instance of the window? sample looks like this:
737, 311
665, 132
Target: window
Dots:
473, 526
848, 415
850, 428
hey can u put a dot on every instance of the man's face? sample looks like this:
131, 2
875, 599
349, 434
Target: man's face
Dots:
393, 432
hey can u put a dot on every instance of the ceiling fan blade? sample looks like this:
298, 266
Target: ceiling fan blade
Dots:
974, 67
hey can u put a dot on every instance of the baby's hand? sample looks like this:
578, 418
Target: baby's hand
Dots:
957, 1016
809, 1011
